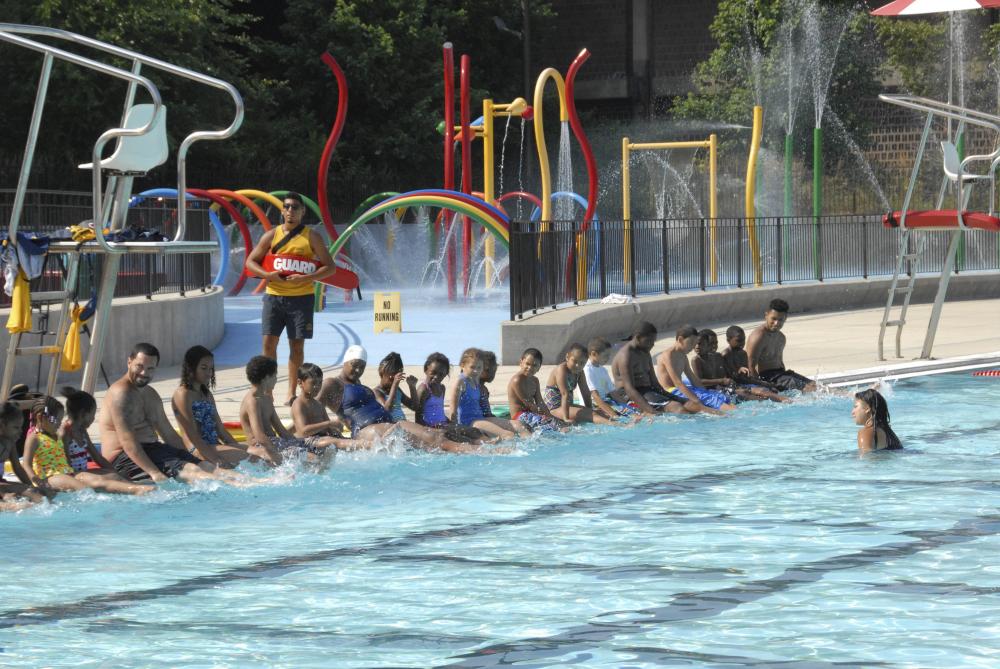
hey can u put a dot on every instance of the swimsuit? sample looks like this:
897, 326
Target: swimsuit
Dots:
169, 460
484, 401
713, 399
469, 409
535, 421
552, 395
50, 457
397, 407
433, 414
79, 456
204, 418
785, 379
360, 407
657, 396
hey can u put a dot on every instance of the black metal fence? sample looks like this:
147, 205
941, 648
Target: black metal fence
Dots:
49, 211
676, 255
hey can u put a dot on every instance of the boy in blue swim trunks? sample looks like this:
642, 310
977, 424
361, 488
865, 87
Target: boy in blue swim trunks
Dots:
672, 365
524, 395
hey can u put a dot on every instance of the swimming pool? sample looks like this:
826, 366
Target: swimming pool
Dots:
756, 540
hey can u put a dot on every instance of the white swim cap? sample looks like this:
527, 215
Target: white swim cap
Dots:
356, 353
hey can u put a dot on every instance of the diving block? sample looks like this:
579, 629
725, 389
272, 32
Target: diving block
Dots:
942, 219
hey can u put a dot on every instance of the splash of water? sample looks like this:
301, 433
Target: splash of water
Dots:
675, 186
754, 56
503, 153
520, 171
790, 48
563, 209
824, 31
862, 160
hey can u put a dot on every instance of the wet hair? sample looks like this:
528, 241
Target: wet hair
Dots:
7, 412
260, 367
534, 352
488, 357
468, 355
78, 402
644, 329
778, 305
598, 345
439, 358
733, 331
47, 406
292, 195
146, 349
308, 370
192, 357
706, 334
577, 348
685, 331
880, 415
391, 364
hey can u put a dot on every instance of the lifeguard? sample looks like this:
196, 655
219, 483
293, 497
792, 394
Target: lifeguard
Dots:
290, 257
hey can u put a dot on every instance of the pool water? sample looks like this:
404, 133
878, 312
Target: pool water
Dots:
757, 540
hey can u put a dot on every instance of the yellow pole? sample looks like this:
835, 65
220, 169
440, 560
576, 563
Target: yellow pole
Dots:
543, 154
713, 200
758, 128
488, 183
626, 212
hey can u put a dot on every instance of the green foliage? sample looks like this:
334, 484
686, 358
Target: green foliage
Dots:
918, 74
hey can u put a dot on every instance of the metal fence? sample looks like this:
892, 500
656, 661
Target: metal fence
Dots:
50, 211
677, 255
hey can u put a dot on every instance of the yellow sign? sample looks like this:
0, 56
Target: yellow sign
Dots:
388, 313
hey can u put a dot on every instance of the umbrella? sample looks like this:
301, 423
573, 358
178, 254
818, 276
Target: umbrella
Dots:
908, 7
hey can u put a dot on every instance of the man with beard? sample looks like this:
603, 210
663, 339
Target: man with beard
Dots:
136, 437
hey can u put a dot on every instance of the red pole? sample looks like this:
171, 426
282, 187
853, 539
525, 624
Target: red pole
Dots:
581, 137
331, 143
466, 168
449, 157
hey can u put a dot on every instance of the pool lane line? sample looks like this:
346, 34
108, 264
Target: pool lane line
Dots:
687, 606
102, 604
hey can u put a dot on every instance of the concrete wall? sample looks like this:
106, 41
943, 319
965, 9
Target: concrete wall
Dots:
170, 322
552, 332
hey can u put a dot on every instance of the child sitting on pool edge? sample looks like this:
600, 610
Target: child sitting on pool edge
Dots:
603, 394
309, 416
563, 381
464, 400
430, 402
710, 366
388, 392
524, 394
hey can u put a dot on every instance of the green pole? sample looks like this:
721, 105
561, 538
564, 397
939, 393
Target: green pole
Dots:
960, 255
788, 175
817, 196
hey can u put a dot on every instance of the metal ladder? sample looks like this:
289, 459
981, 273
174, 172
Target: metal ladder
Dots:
65, 297
904, 258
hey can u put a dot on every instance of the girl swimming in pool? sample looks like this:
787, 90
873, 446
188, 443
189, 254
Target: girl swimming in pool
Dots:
871, 412
45, 458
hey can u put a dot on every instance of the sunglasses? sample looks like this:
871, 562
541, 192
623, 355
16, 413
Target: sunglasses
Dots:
292, 206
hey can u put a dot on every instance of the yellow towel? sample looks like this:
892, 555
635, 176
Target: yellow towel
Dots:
72, 356
20, 306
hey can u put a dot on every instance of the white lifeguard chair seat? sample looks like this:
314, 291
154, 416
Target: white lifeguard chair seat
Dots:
138, 155
952, 161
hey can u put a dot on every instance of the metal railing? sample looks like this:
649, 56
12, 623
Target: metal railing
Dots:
674, 255
47, 212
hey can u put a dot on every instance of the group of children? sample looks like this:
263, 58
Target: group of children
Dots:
59, 456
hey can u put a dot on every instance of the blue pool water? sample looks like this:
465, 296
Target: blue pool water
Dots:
758, 540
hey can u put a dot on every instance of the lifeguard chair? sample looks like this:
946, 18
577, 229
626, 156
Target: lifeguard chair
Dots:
141, 146
956, 173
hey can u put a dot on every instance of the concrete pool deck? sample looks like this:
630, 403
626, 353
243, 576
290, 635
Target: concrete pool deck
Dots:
819, 344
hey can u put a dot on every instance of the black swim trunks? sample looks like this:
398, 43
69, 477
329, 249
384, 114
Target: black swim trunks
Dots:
169, 460
294, 313
785, 379
657, 398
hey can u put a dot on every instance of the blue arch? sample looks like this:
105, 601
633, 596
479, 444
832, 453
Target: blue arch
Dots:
220, 231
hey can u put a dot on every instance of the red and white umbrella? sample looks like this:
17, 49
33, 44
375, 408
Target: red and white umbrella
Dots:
908, 7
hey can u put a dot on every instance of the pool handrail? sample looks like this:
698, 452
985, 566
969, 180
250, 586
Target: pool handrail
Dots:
11, 32
964, 116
